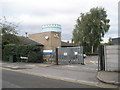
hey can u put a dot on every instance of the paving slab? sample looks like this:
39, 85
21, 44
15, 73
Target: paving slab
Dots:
109, 77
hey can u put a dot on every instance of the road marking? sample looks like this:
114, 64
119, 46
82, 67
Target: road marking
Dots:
68, 80
7, 69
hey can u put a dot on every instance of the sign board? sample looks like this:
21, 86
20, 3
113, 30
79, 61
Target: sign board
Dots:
76, 53
47, 52
24, 57
65, 54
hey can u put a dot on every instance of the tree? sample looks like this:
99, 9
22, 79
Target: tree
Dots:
90, 28
8, 32
109, 42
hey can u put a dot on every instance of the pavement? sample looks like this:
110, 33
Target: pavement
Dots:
64, 72
87, 73
109, 77
12, 79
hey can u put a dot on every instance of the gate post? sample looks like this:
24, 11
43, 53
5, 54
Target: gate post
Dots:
101, 63
56, 58
83, 52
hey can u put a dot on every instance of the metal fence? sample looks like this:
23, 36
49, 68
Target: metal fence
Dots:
68, 55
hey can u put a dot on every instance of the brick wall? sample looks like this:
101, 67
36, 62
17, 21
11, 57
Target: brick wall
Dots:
52, 42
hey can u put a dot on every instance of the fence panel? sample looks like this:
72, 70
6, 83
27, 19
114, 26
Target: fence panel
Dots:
70, 55
111, 58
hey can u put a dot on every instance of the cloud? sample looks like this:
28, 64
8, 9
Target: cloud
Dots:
34, 13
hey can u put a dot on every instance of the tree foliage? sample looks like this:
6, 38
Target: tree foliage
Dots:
10, 39
90, 28
33, 52
109, 42
8, 32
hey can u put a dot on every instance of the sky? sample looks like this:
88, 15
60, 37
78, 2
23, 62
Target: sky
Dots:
32, 14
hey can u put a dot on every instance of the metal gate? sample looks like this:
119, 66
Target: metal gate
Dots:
68, 55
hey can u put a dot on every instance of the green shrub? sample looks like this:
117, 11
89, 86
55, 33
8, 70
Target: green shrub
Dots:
8, 50
33, 52
22, 50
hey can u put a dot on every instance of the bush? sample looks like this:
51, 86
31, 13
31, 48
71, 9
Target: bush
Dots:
33, 52
8, 50
22, 50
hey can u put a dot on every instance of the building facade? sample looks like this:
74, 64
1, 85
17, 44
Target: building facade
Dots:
50, 36
116, 41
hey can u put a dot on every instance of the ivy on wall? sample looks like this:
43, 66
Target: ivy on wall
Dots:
32, 52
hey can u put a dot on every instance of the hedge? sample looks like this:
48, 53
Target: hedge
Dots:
7, 51
33, 52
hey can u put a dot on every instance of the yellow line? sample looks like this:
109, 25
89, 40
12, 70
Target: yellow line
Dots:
73, 81
7, 69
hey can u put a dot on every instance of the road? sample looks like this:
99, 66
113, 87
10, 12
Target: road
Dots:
11, 79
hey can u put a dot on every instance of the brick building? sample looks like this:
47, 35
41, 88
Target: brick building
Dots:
50, 37
50, 40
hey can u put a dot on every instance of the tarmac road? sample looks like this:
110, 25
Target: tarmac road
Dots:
11, 79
